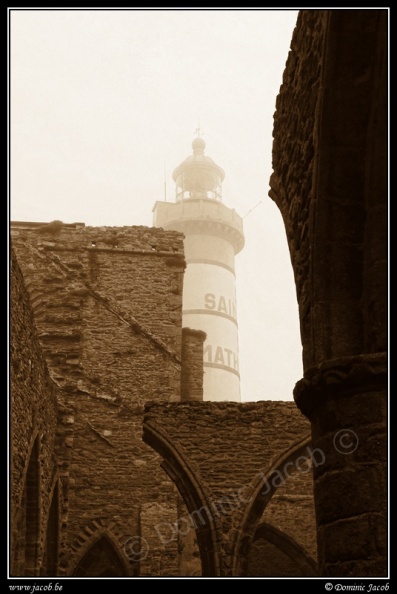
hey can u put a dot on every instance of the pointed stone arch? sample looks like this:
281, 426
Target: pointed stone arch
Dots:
101, 555
260, 493
31, 505
26, 520
51, 548
283, 551
193, 493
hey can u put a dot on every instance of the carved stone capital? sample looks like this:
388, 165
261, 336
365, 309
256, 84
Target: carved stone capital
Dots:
338, 378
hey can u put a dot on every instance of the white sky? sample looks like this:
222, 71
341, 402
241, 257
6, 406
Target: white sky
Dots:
103, 102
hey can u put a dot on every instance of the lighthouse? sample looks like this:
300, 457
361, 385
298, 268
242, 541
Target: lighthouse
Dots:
213, 236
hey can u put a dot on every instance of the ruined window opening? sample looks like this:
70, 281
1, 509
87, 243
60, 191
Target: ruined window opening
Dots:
101, 560
32, 511
52, 536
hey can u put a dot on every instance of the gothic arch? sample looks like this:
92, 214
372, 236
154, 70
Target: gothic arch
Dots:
31, 510
300, 563
193, 494
101, 556
262, 490
51, 549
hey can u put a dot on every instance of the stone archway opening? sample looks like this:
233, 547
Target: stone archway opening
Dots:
31, 507
52, 536
258, 537
275, 554
201, 525
101, 560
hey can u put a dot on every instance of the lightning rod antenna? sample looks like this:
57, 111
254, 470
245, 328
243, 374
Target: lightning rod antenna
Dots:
246, 215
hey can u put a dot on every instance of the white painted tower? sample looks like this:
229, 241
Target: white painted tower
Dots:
213, 236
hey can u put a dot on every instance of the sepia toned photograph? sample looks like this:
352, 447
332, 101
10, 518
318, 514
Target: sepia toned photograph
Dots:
198, 296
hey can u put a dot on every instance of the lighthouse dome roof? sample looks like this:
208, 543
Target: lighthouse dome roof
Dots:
198, 162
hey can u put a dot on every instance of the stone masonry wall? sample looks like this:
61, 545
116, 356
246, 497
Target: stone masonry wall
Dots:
266, 560
330, 182
291, 509
108, 307
192, 378
330, 179
33, 414
227, 446
294, 135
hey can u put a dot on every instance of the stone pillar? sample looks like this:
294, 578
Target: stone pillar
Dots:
330, 183
346, 402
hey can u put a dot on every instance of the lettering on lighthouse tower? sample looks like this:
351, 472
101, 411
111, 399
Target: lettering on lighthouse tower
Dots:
221, 304
222, 357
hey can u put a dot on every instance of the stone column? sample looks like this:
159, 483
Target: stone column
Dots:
330, 183
346, 402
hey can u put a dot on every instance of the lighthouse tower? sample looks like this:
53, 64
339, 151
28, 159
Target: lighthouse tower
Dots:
213, 236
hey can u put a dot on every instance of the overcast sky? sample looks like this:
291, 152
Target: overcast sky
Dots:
104, 105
